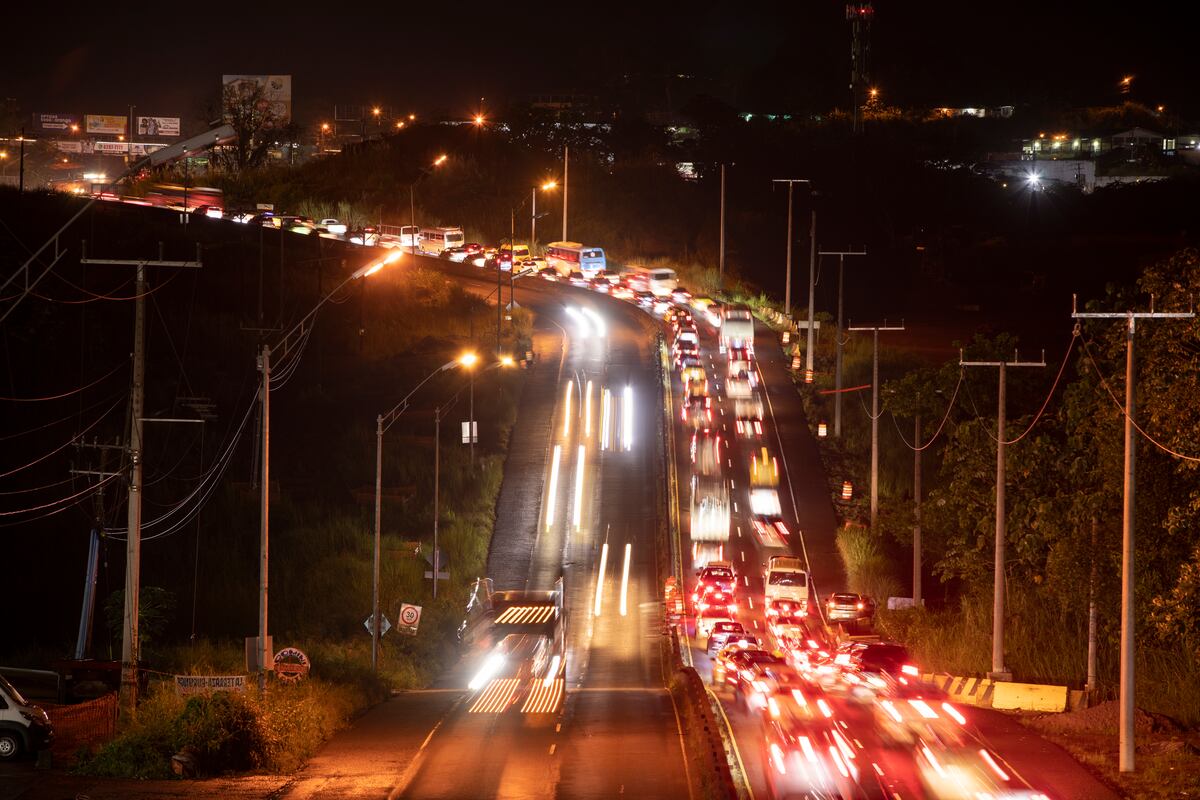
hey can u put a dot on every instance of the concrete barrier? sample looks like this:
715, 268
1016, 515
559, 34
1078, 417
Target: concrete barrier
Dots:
967, 691
1029, 697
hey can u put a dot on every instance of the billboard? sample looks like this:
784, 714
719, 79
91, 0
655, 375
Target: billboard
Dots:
106, 123
277, 92
55, 122
158, 126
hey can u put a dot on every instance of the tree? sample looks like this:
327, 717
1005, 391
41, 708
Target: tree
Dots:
244, 105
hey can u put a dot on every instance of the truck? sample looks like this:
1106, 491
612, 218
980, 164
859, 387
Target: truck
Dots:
764, 483
785, 578
737, 328
710, 492
518, 639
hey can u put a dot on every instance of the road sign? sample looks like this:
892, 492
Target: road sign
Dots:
436, 558
410, 618
470, 432
384, 624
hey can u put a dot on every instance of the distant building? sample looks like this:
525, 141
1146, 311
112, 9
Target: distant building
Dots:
1002, 112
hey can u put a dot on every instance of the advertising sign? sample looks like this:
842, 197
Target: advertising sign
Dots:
55, 122
186, 685
158, 126
106, 123
276, 89
291, 665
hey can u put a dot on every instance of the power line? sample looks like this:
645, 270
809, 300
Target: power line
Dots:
74, 391
64, 446
61, 501
949, 408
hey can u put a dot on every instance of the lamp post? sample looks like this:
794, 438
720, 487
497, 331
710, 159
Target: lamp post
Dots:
286, 345
533, 215
412, 206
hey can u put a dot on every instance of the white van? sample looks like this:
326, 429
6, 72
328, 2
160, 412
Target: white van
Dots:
786, 579
24, 727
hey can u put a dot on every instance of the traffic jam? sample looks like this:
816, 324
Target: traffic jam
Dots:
818, 704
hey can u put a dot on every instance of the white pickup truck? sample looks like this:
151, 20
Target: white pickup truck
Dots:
786, 579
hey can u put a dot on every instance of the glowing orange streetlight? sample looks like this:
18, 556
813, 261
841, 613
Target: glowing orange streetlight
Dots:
376, 111
74, 128
874, 93
399, 125
325, 127
437, 162
479, 119
412, 116
468, 359
548, 185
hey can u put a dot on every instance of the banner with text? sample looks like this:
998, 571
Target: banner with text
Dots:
207, 684
158, 126
106, 123
55, 122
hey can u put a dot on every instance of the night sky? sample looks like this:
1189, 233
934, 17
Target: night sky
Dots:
757, 56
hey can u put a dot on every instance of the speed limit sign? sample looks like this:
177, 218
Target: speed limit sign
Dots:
410, 618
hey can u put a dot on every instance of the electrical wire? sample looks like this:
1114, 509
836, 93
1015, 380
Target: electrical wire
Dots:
65, 445
61, 420
71, 479
949, 408
1125, 413
1062, 367
70, 500
75, 391
863, 403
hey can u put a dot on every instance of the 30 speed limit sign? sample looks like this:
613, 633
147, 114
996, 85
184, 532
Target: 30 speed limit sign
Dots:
410, 618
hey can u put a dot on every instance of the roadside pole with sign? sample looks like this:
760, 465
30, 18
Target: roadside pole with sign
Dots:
410, 618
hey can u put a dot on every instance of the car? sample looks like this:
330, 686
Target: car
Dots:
764, 680
685, 349
716, 598
722, 664
692, 371
856, 609
661, 306
806, 755
622, 292
600, 285
707, 618
645, 299
333, 226
548, 274
577, 278
744, 664
455, 254
24, 727
722, 632
686, 335
716, 573
366, 236
784, 607
484, 258
681, 296
696, 413
793, 633
879, 657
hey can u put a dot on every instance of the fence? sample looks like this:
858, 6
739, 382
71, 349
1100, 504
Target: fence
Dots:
90, 723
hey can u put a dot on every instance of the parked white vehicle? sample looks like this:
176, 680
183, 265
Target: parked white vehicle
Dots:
24, 727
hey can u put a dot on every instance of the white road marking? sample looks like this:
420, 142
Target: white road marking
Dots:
553, 493
750, 600
743, 555
567, 409
746, 578
625, 578
577, 515
552, 747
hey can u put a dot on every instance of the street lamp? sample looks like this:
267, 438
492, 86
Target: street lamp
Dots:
287, 345
545, 187
412, 205
479, 120
382, 423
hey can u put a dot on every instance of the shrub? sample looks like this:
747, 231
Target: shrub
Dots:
223, 731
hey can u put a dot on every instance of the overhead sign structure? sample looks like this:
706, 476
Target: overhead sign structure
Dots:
187, 685
106, 123
291, 665
277, 92
55, 122
410, 618
158, 126
385, 624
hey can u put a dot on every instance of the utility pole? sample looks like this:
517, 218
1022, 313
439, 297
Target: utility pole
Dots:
532, 220
916, 565
787, 281
21, 169
1125, 720
566, 184
837, 373
437, 464
263, 647
1091, 646
999, 671
130, 642
721, 259
812, 288
875, 329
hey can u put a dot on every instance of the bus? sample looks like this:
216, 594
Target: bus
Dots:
568, 257
182, 198
434, 240
660, 281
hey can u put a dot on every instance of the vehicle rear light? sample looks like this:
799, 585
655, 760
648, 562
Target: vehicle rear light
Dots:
837, 759
842, 659
991, 762
747, 674
777, 759
813, 645
809, 752
923, 709
887, 706
831, 604
825, 709
909, 669
773, 708
955, 713
861, 606
703, 606
779, 526
758, 427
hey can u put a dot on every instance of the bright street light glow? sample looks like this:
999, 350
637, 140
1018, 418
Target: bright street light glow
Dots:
479, 119
597, 322
506, 360
393, 257
627, 419
625, 579
577, 516
437, 162
468, 359
567, 409
587, 411
548, 185
552, 495
600, 579
376, 111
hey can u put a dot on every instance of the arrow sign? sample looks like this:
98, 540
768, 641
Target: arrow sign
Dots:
441, 562
384, 624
